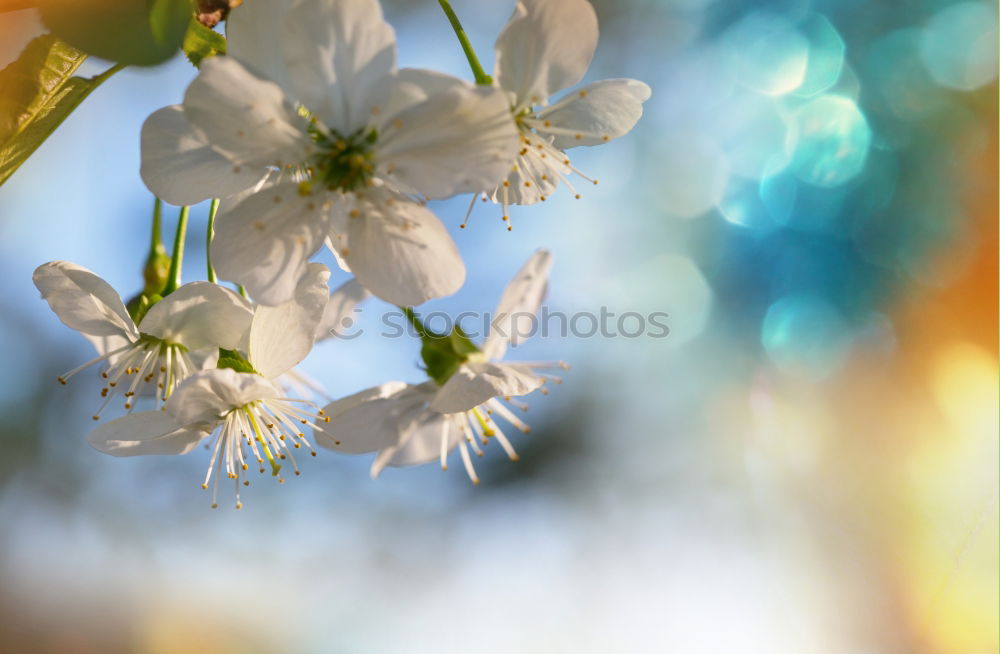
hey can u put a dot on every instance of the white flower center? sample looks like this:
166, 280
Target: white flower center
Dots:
262, 430
539, 166
146, 366
344, 163
479, 425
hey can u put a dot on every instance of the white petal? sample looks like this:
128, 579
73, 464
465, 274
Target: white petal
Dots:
547, 46
474, 383
180, 166
369, 420
264, 242
253, 36
340, 308
401, 252
532, 179
145, 432
83, 301
345, 404
337, 241
599, 112
204, 397
340, 56
245, 118
411, 86
458, 140
521, 299
282, 335
422, 441
199, 315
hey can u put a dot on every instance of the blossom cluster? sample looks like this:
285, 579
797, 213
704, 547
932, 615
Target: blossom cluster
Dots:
306, 135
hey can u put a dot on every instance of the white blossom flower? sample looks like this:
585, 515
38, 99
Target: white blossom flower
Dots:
413, 424
546, 47
478, 383
176, 337
251, 417
395, 421
309, 109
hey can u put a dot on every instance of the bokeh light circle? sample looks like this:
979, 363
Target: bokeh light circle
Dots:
805, 335
828, 141
959, 46
826, 56
771, 54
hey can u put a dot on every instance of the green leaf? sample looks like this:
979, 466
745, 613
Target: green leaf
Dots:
42, 67
168, 21
461, 344
37, 92
235, 361
443, 354
134, 32
202, 42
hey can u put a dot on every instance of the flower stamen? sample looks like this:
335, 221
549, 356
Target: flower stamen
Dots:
268, 428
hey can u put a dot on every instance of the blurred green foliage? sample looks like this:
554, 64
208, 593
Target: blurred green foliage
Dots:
130, 32
37, 92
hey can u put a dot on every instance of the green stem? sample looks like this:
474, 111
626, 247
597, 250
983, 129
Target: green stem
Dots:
209, 234
417, 325
156, 239
174, 276
100, 79
470, 54
154, 272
